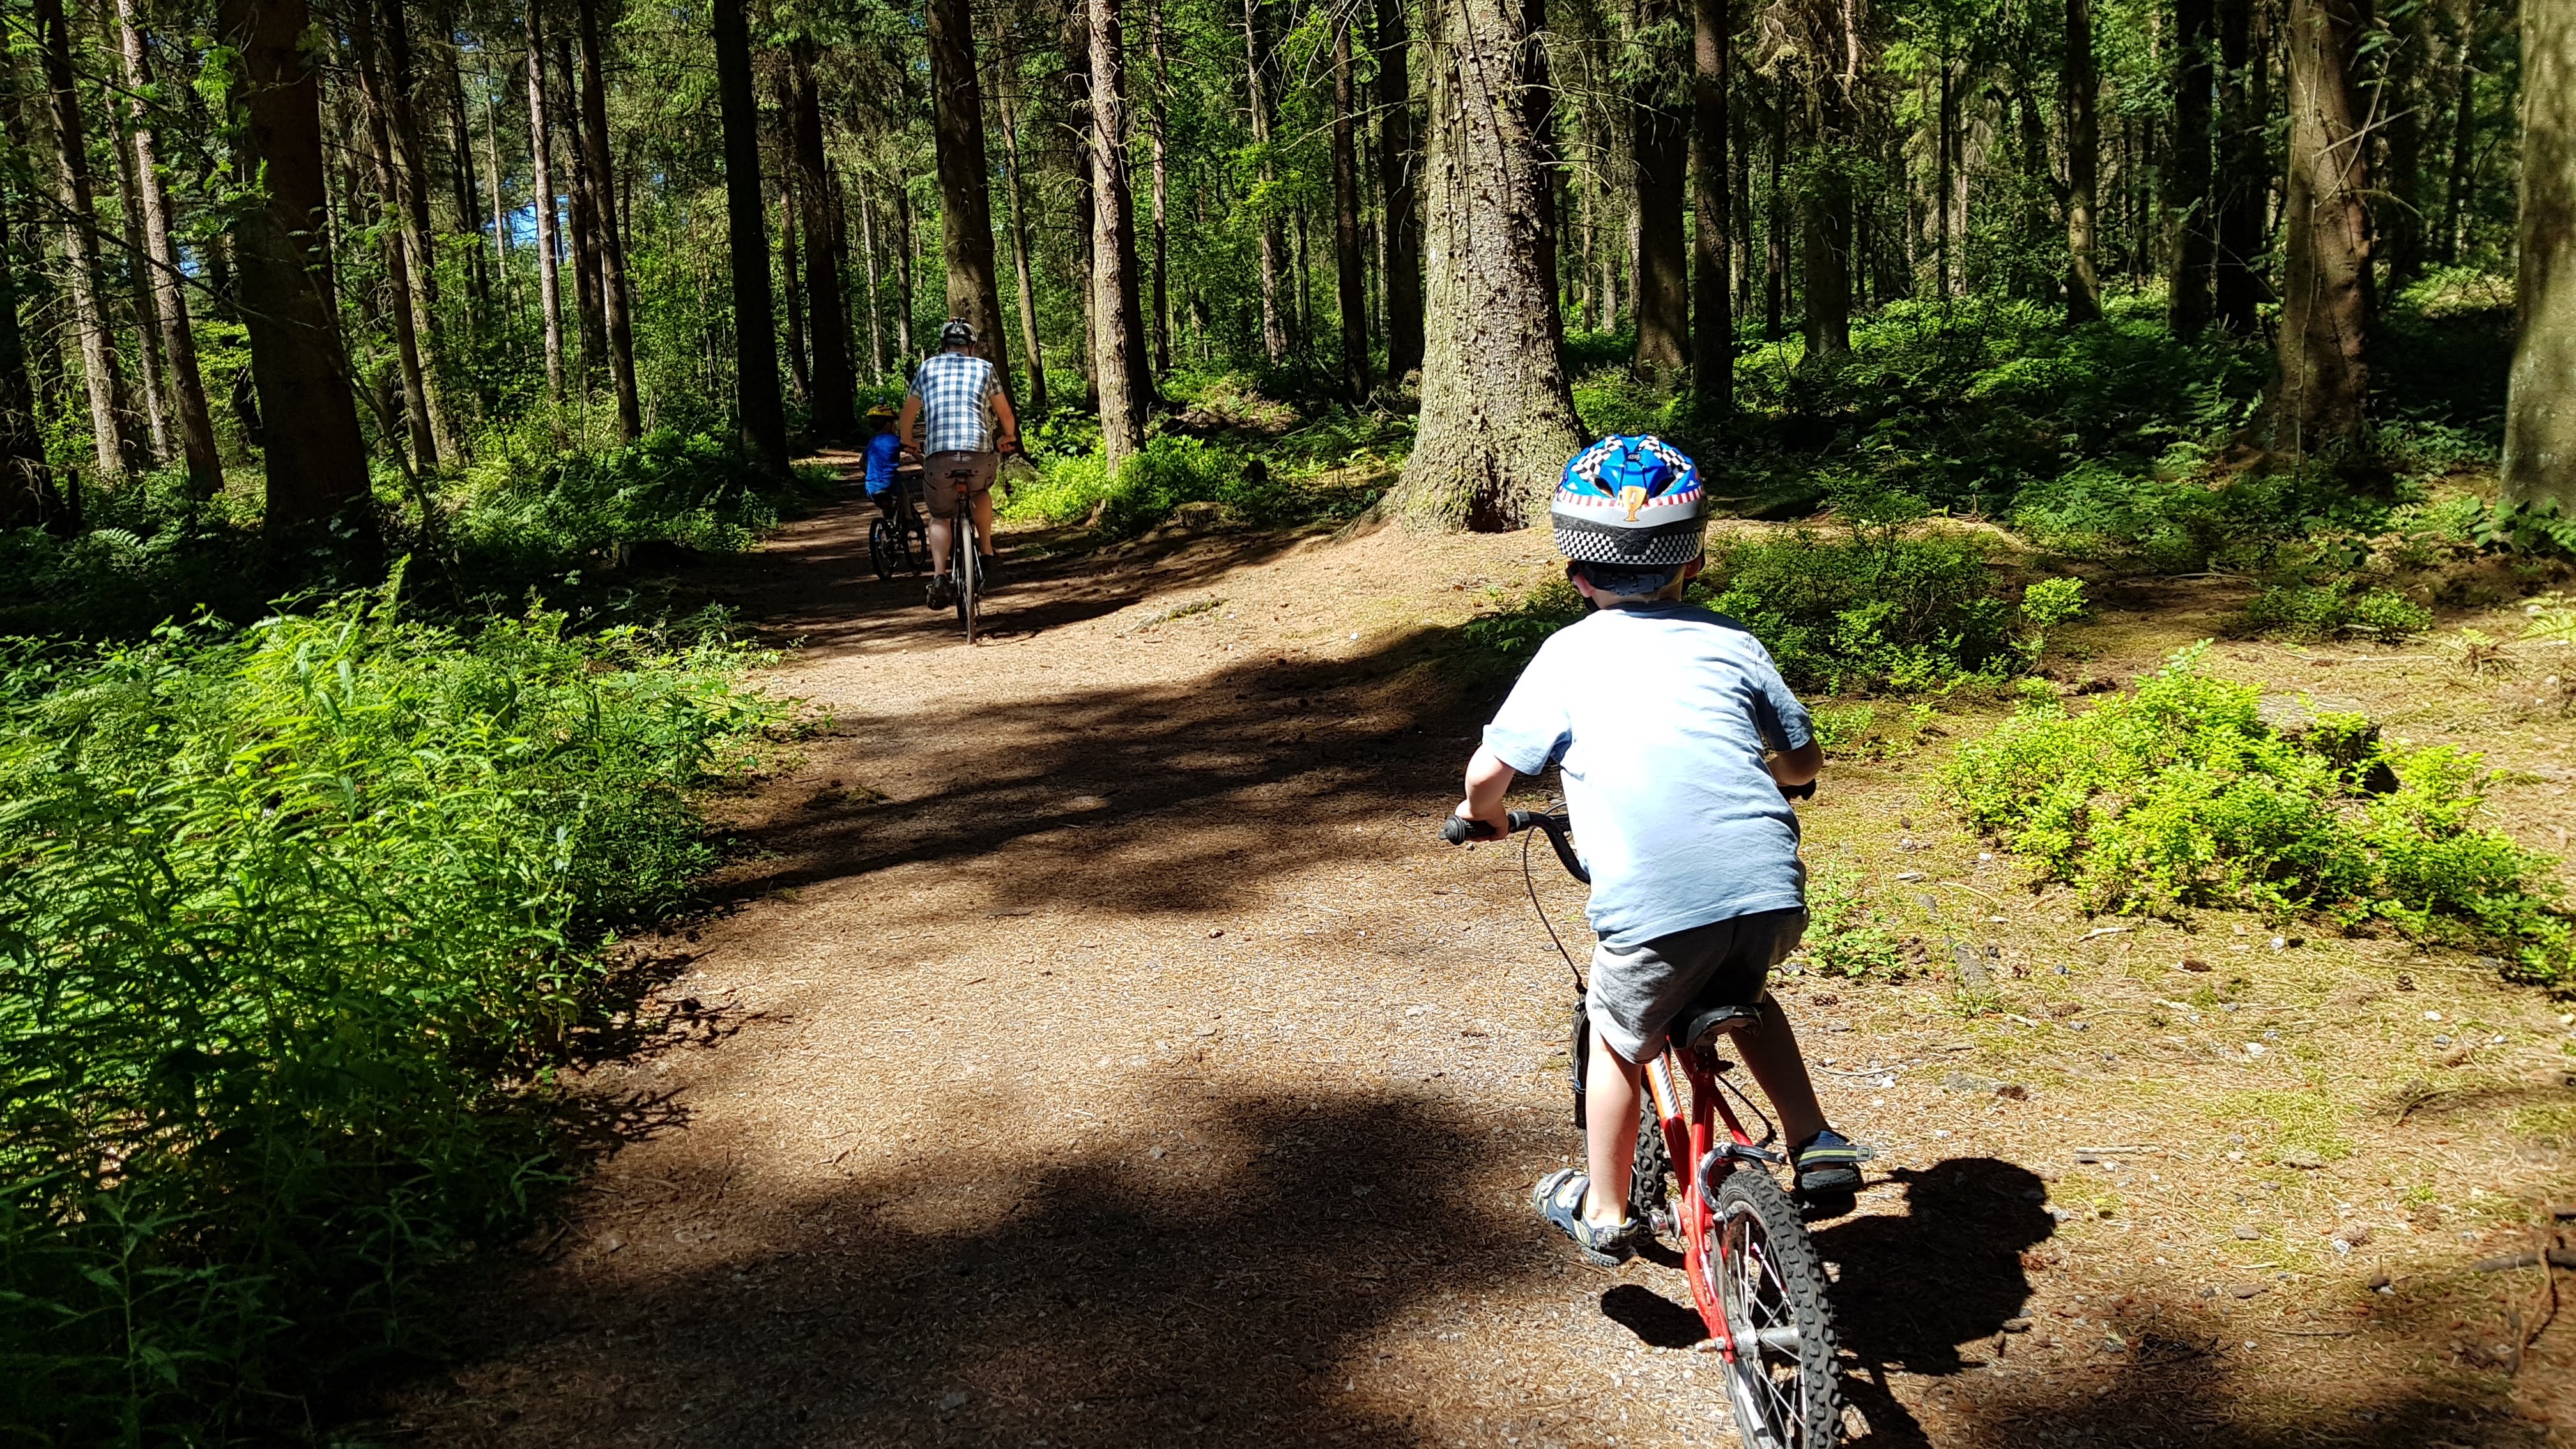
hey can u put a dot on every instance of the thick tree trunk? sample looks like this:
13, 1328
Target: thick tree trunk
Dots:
1006, 97
1399, 173
614, 301
2397, 220
1713, 245
1157, 122
102, 373
1118, 324
316, 460
1350, 278
28, 498
2187, 198
1497, 420
834, 388
549, 249
1659, 141
755, 323
138, 276
1274, 247
1538, 100
2083, 162
2540, 406
2245, 171
2321, 396
965, 200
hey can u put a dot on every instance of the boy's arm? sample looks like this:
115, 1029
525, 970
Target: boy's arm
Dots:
1798, 766
1006, 433
906, 427
1488, 778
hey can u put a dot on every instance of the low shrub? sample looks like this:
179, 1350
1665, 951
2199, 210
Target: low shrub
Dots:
294, 921
2179, 794
2310, 612
1869, 612
1173, 469
1845, 935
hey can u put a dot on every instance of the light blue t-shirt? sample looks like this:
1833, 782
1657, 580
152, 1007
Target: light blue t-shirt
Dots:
1659, 715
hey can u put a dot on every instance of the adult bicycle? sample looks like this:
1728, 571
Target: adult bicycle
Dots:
1754, 1273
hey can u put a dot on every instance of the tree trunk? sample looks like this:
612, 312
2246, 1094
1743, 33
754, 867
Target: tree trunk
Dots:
28, 498
614, 307
1497, 421
834, 388
467, 187
1399, 172
2540, 405
2083, 161
1659, 139
101, 372
2322, 392
1274, 324
429, 443
138, 273
1006, 98
1713, 245
903, 278
1118, 325
1945, 134
585, 210
2397, 221
2245, 172
2187, 199
965, 200
549, 249
1538, 99
876, 330
1775, 232
411, 176
316, 461
755, 323
1157, 125
2464, 138
791, 263
1351, 280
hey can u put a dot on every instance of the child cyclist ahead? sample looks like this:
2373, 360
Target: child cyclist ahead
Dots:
1675, 735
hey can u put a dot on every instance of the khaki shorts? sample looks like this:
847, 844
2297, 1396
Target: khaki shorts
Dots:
1636, 991
947, 476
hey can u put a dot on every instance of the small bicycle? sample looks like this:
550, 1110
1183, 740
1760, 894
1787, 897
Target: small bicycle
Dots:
899, 540
1754, 1273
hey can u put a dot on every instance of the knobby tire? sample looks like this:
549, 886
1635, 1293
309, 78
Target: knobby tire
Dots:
1769, 1276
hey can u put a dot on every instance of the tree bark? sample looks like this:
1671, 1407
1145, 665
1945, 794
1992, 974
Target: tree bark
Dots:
1350, 278
2083, 162
429, 441
28, 498
2397, 220
965, 201
1659, 141
876, 329
2540, 405
1399, 172
1156, 122
467, 186
2245, 171
2187, 199
613, 296
1497, 421
1274, 323
138, 273
834, 388
903, 277
2322, 392
791, 264
755, 323
549, 249
1118, 326
101, 371
1006, 96
585, 219
1945, 142
1538, 101
1775, 232
1713, 245
2464, 138
316, 461
411, 177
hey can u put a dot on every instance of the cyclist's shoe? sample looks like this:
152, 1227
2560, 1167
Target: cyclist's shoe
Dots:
1828, 1163
941, 593
1559, 1199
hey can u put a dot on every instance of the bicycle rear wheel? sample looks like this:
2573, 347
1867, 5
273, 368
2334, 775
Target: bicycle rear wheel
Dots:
967, 568
880, 549
1781, 1379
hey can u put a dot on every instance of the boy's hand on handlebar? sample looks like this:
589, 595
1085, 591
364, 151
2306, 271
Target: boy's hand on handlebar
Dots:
1493, 825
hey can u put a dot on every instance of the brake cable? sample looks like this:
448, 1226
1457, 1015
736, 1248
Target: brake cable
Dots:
1530, 882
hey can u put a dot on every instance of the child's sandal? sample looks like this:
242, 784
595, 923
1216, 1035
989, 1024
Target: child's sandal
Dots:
1559, 1199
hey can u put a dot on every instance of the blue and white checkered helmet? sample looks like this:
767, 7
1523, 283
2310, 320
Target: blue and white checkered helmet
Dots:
1629, 500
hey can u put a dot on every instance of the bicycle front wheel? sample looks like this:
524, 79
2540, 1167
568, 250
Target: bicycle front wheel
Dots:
1781, 1380
966, 570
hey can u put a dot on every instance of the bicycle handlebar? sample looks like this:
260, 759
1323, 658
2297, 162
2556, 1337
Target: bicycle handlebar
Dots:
1458, 830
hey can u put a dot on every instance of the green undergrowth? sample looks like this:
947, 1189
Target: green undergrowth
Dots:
1329, 470
295, 922
2308, 613
2179, 794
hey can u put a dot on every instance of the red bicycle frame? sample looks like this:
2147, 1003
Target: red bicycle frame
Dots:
1691, 1142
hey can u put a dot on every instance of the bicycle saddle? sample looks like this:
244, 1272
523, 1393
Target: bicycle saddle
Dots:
1704, 1021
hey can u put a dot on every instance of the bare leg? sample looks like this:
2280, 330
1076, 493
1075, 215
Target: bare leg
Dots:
1610, 1091
940, 530
1771, 1050
984, 523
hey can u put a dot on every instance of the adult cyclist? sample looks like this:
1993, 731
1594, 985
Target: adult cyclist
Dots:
957, 416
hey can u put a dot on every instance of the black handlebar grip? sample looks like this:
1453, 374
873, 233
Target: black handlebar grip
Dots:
1458, 830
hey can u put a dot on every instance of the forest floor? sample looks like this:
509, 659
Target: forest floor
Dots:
1092, 1045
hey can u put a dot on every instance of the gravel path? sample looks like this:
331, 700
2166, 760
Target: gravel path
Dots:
1096, 1048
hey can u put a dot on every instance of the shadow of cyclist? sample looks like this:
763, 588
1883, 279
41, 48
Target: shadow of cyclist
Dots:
1914, 1288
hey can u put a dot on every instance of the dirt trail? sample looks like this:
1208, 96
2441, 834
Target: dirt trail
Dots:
1096, 1048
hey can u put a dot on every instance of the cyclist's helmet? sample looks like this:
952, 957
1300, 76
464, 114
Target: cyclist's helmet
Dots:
958, 333
1629, 500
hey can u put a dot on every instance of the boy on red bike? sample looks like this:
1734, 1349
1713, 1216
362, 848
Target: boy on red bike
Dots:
1676, 735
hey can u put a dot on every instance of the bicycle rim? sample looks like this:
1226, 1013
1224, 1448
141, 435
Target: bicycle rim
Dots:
1781, 1381
966, 571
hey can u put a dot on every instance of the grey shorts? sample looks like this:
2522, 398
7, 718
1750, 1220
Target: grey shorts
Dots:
947, 477
1636, 991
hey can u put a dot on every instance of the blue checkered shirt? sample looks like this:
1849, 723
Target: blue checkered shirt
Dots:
956, 392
